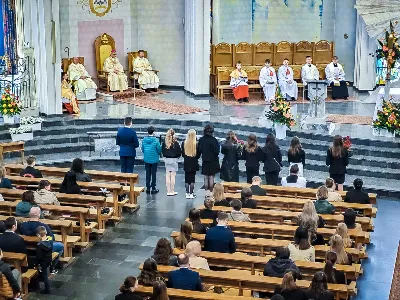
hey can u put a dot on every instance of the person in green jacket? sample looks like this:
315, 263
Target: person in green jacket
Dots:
322, 205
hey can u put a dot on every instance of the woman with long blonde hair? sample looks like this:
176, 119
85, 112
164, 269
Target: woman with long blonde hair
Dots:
190, 162
219, 195
337, 246
171, 152
343, 232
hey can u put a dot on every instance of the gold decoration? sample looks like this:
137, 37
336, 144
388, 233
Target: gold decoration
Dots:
99, 7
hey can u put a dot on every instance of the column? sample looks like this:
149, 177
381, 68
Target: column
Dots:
197, 46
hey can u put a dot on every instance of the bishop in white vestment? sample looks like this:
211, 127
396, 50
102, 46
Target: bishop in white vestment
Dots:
268, 81
117, 79
85, 88
148, 79
335, 76
286, 82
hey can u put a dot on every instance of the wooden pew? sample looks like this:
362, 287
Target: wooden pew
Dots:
266, 246
11, 147
90, 186
242, 280
255, 264
297, 204
282, 216
95, 175
175, 294
293, 192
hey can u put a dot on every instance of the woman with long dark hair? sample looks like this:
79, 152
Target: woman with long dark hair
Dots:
163, 254
185, 235
194, 217
230, 163
252, 154
333, 275
272, 160
69, 185
160, 291
208, 147
149, 273
128, 289
288, 289
300, 248
78, 166
296, 155
337, 158
319, 288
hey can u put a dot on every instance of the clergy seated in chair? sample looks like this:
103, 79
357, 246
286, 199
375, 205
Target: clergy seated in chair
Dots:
335, 76
148, 79
67, 95
84, 86
117, 80
286, 82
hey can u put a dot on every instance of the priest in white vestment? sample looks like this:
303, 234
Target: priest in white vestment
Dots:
84, 86
148, 79
286, 82
335, 76
117, 79
268, 81
309, 72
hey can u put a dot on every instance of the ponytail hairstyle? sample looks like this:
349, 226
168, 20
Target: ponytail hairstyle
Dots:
251, 145
170, 138
129, 283
330, 260
185, 235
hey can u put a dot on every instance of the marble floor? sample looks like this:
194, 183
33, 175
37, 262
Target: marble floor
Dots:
98, 272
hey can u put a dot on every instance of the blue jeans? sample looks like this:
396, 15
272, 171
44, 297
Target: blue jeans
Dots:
44, 277
151, 172
127, 164
59, 248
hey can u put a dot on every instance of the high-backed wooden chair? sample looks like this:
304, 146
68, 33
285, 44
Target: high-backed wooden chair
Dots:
323, 52
131, 58
65, 62
301, 50
103, 45
262, 51
283, 50
243, 52
221, 56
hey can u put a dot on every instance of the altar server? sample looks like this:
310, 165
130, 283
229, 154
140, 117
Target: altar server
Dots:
117, 79
309, 71
239, 84
286, 82
335, 76
67, 95
268, 81
85, 88
148, 79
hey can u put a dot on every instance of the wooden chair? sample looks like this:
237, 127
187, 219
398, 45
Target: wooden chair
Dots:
262, 51
243, 52
11, 147
103, 45
221, 56
323, 52
223, 80
283, 50
301, 50
65, 62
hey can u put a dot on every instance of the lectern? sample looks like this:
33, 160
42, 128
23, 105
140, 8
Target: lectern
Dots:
317, 92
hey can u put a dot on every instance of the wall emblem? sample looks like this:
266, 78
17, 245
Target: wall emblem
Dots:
99, 7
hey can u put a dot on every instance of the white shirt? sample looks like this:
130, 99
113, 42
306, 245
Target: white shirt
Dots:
301, 182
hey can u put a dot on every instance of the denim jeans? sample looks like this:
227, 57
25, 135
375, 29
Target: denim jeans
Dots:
59, 248
127, 164
44, 277
151, 173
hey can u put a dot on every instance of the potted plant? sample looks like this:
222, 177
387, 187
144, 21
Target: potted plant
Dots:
279, 113
35, 123
387, 122
9, 106
21, 133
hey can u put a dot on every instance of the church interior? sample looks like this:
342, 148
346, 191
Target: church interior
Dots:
299, 99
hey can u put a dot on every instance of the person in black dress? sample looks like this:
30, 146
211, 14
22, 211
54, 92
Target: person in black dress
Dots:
191, 156
357, 195
272, 160
319, 288
337, 158
208, 148
252, 154
333, 275
230, 163
128, 289
296, 155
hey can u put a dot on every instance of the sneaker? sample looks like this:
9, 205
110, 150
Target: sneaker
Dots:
174, 193
148, 191
54, 272
154, 191
191, 196
194, 195
170, 194
187, 196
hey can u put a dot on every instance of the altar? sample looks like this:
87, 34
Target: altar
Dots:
394, 94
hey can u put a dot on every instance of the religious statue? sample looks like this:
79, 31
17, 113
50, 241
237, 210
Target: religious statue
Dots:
84, 86
117, 80
148, 79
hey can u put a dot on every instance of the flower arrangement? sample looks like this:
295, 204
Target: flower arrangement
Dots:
390, 50
279, 111
20, 130
347, 142
9, 104
30, 120
389, 117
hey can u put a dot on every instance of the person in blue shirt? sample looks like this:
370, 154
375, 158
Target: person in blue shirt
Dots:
151, 149
128, 142
220, 238
184, 278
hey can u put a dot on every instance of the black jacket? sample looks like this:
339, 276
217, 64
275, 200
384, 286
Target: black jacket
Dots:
253, 158
326, 295
6, 271
12, 242
128, 296
230, 162
43, 252
299, 157
190, 164
357, 196
250, 203
297, 294
258, 191
209, 214
272, 159
337, 165
208, 148
173, 152
224, 202
32, 171
199, 228
277, 267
